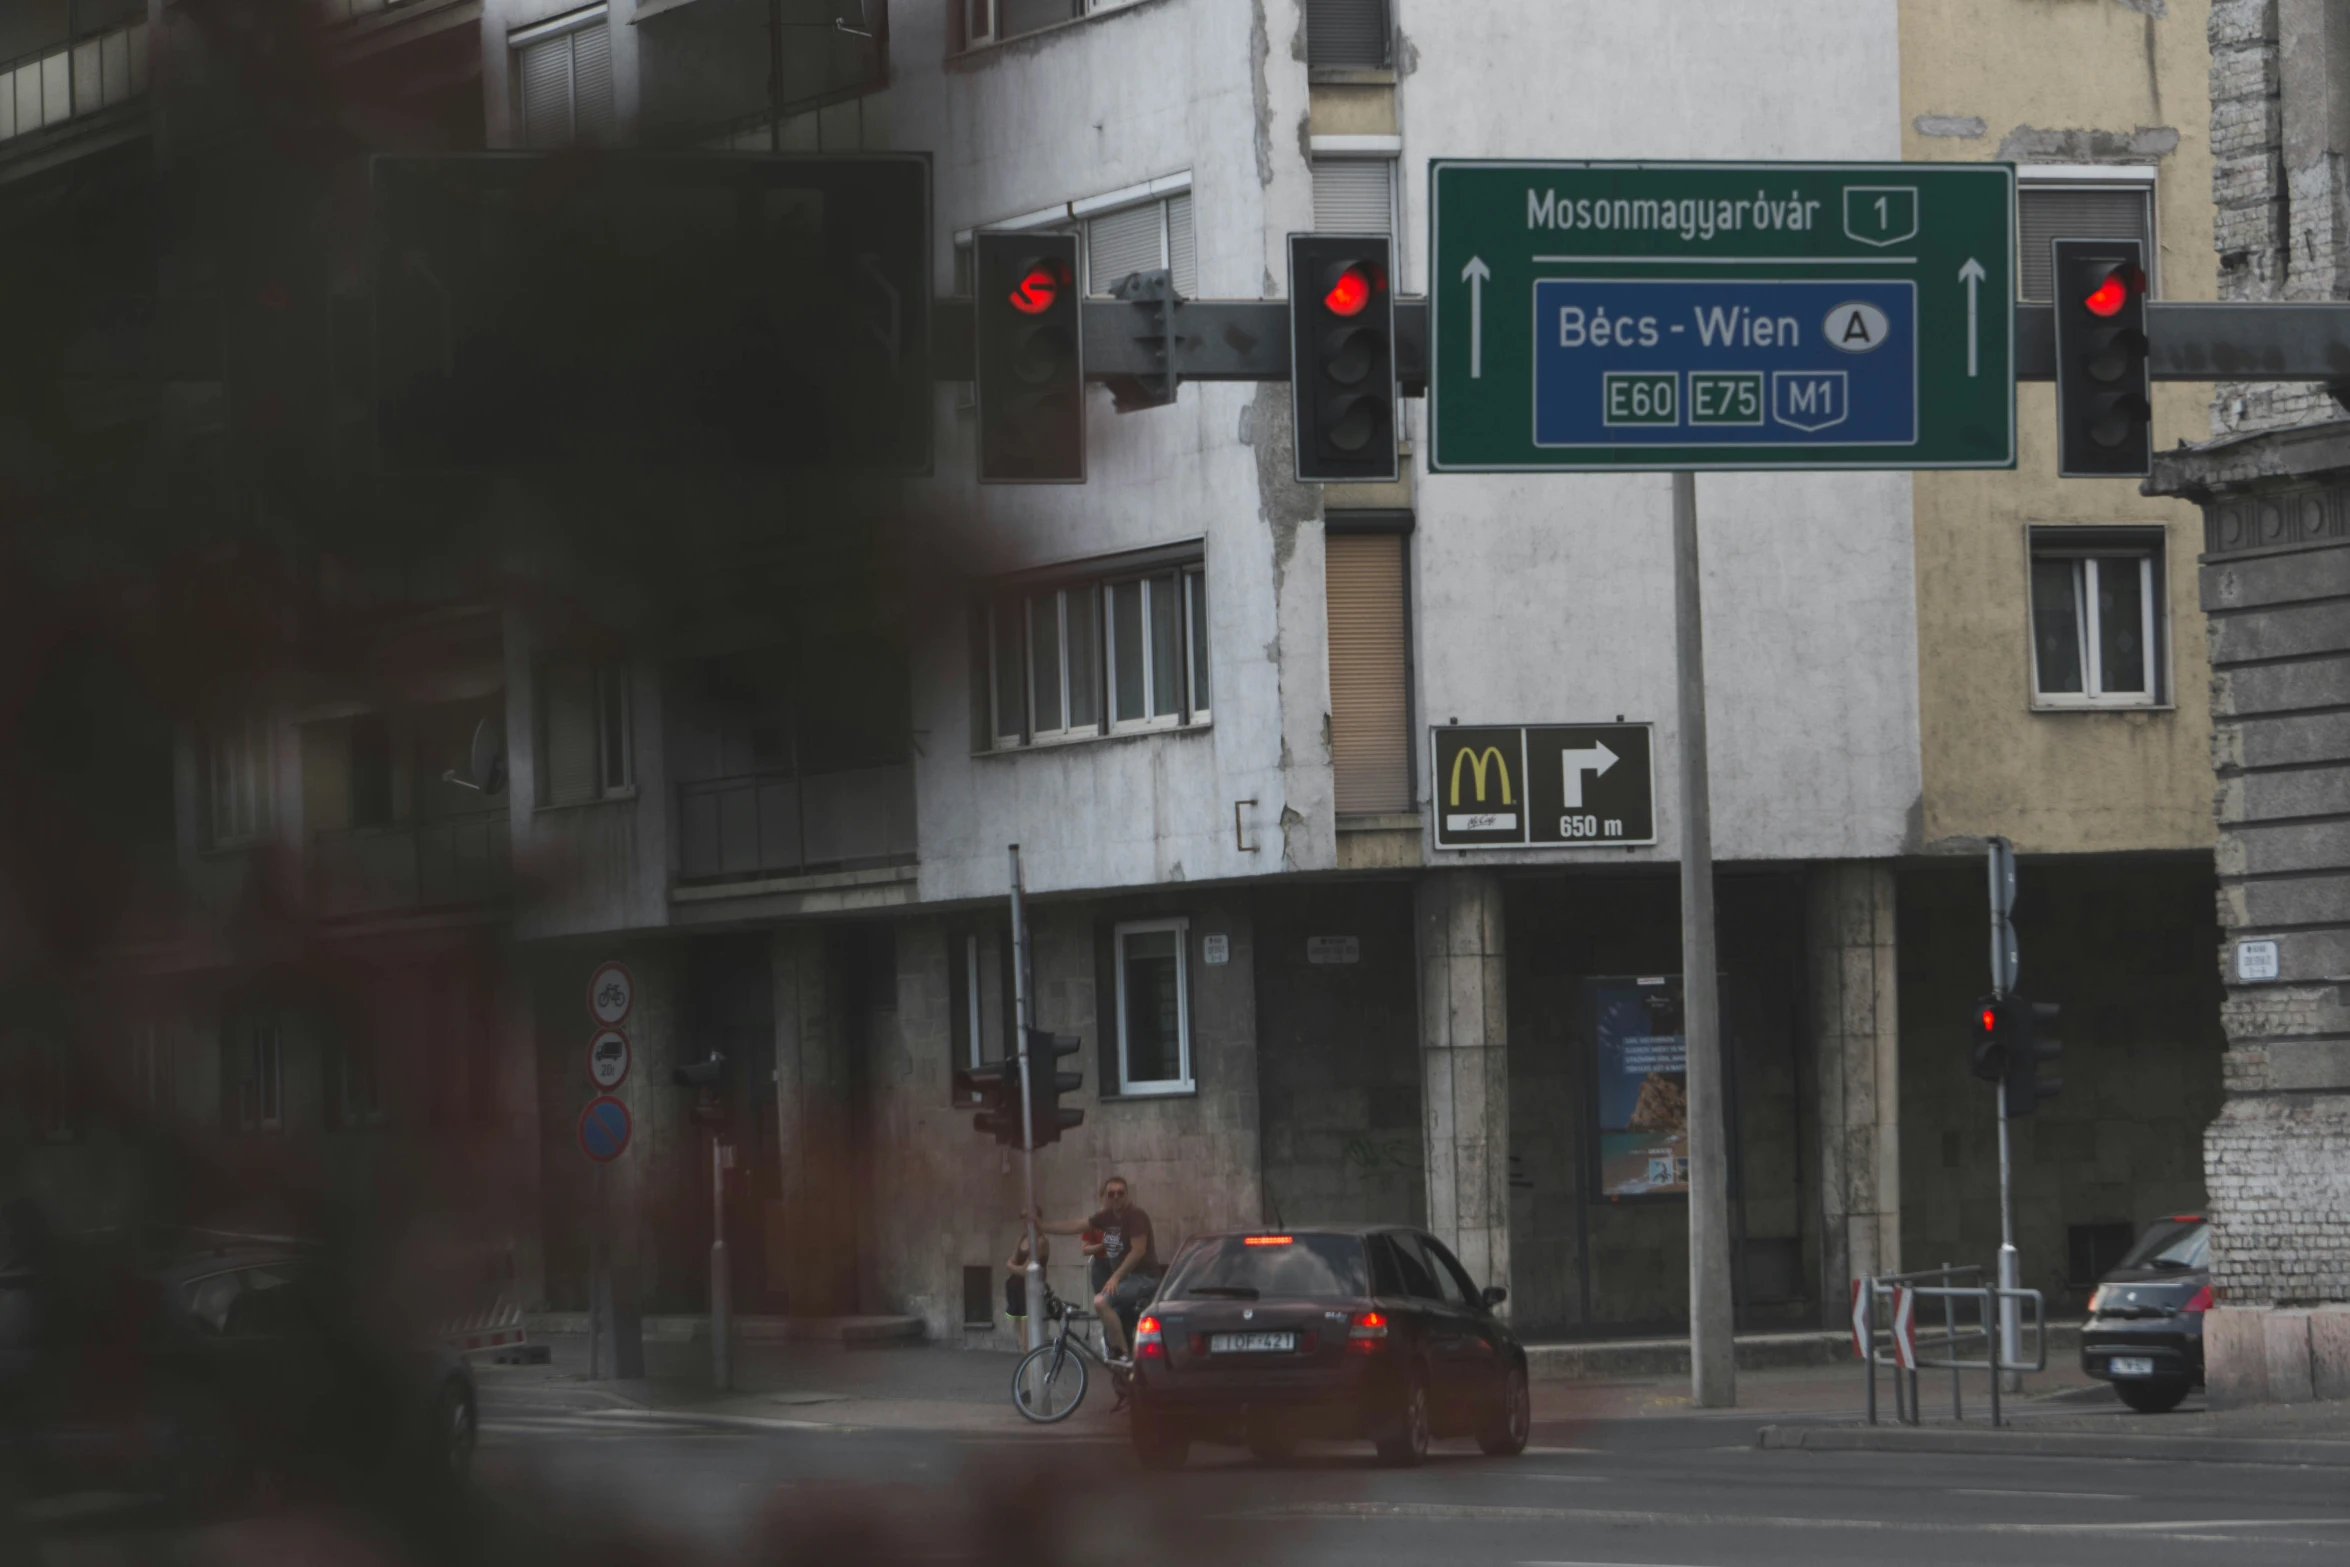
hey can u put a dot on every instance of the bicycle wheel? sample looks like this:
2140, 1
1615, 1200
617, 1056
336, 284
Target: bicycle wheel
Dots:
1049, 1383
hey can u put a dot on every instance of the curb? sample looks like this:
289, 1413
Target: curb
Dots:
1664, 1357
850, 1332
2010, 1443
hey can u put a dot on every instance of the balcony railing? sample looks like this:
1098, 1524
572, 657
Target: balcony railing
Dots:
67, 82
763, 825
466, 863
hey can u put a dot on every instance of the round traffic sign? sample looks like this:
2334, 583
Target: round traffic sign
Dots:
608, 1058
611, 992
603, 1129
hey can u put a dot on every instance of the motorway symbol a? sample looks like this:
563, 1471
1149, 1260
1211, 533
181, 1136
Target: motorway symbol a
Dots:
1684, 315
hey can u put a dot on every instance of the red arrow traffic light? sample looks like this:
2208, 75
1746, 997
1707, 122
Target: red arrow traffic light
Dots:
1349, 292
2109, 297
1038, 287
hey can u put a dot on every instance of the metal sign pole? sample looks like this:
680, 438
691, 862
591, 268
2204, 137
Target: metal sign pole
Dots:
1022, 1003
599, 1283
1712, 1353
721, 1283
2006, 960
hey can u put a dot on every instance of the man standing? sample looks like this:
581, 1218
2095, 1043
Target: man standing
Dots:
1126, 1270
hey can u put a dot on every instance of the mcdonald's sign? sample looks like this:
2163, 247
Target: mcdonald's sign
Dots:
1565, 786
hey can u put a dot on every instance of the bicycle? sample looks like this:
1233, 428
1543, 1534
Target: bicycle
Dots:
1049, 1383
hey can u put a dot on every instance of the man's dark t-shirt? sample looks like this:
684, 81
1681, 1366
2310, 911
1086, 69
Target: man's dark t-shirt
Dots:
1117, 1231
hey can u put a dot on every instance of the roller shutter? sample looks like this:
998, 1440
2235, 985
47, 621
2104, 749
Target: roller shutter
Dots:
1370, 705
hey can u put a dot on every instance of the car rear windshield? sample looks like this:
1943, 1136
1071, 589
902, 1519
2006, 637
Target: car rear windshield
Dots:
1294, 1267
2172, 1243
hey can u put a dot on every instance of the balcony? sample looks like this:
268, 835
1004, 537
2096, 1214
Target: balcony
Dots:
766, 825
70, 80
435, 867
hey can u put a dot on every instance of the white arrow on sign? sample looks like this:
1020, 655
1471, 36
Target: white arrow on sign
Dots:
1972, 275
1594, 759
1475, 274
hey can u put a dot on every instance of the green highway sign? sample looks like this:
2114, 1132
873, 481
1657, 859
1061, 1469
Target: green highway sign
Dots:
1720, 315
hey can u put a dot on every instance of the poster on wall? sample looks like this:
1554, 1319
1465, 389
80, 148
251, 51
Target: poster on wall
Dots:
1642, 1097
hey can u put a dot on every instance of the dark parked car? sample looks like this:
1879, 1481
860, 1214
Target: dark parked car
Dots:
187, 1375
1266, 1339
2145, 1328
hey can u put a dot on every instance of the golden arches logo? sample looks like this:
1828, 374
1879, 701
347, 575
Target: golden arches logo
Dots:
1477, 761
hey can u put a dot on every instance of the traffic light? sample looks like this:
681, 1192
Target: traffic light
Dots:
1342, 356
1047, 1083
2103, 384
1028, 360
997, 1088
1988, 1028
2034, 1043
708, 1079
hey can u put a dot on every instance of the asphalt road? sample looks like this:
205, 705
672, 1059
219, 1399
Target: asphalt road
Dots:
1672, 1491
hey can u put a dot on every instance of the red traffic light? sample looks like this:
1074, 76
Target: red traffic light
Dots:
1350, 292
1990, 1021
1039, 286
2109, 296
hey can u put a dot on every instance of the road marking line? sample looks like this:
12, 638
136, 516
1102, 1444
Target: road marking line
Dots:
1464, 1512
1552, 1452
2067, 1496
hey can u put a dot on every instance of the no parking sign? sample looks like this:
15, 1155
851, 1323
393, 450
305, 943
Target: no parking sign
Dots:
603, 1129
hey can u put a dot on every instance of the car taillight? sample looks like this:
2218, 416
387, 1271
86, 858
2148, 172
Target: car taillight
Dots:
2096, 1300
1367, 1334
1149, 1344
2199, 1301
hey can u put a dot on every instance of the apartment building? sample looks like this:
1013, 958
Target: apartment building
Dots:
775, 775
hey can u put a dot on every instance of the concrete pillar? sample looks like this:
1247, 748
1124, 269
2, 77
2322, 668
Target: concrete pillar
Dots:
1856, 1042
1465, 1067
813, 1141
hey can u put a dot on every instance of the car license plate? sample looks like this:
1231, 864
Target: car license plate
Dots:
1251, 1343
2131, 1365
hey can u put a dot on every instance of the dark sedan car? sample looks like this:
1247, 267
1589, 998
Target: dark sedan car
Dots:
1267, 1339
2145, 1328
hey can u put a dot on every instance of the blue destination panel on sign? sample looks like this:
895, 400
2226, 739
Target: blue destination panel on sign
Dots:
1797, 363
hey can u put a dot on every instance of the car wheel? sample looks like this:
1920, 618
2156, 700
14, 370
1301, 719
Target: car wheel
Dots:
2152, 1398
1513, 1421
1407, 1442
1157, 1444
455, 1429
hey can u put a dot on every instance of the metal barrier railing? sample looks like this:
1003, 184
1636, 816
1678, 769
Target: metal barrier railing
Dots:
1889, 1303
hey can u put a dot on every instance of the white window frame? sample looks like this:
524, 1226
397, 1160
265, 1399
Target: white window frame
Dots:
979, 19
606, 681
1128, 1088
974, 1008
2089, 561
261, 1105
240, 774
570, 24
1029, 729
1119, 203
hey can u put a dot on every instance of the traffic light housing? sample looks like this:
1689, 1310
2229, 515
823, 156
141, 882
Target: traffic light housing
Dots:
1342, 356
1988, 1032
1028, 359
708, 1079
2034, 1044
1047, 1083
997, 1088
2104, 385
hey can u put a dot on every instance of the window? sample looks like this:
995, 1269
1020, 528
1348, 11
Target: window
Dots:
563, 81
583, 733
359, 1094
2097, 618
1354, 195
238, 783
1154, 1007
1370, 698
1111, 654
253, 1068
978, 1296
2050, 208
988, 21
152, 1085
979, 998
1138, 239
1346, 33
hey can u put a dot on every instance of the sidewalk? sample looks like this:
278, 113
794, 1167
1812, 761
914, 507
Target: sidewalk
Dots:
806, 1385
